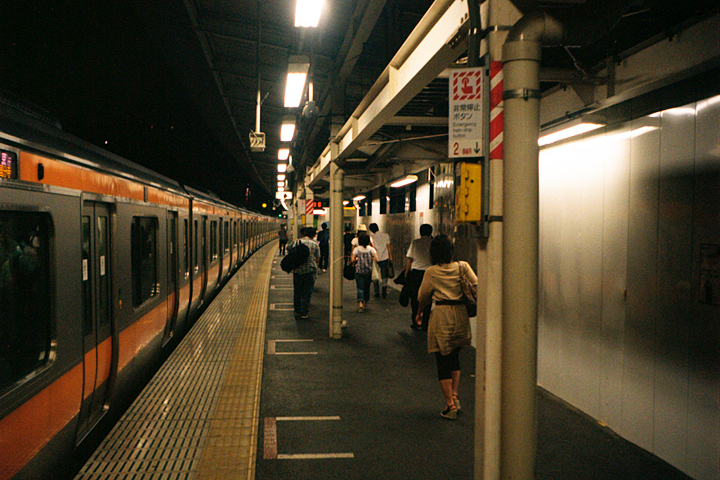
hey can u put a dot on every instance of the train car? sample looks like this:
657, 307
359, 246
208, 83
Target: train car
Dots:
103, 266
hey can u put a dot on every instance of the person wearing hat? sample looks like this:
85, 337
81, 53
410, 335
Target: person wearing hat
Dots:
361, 229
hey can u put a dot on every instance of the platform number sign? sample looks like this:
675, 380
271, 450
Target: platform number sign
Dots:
466, 116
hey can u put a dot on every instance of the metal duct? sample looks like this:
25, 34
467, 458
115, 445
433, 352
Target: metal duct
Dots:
521, 59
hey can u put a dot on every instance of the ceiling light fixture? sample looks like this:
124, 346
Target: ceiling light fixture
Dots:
298, 67
281, 184
566, 133
283, 153
282, 167
404, 181
307, 13
281, 177
287, 130
358, 198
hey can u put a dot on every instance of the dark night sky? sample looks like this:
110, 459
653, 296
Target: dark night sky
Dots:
98, 68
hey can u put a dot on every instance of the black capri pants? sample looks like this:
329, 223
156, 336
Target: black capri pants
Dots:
447, 364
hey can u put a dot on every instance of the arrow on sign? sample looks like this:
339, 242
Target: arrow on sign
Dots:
477, 147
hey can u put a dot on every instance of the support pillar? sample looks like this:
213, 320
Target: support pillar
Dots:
337, 176
520, 260
488, 368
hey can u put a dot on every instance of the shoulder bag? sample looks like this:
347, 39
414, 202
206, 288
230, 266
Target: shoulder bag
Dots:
469, 290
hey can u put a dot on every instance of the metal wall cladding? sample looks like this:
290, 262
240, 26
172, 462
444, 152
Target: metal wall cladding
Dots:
627, 218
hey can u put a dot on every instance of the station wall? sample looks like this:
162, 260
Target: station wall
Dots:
629, 327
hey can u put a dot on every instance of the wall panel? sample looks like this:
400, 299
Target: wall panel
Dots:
629, 327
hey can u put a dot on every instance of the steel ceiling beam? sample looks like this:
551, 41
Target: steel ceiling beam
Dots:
438, 39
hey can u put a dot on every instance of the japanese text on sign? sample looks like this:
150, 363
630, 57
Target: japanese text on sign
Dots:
466, 113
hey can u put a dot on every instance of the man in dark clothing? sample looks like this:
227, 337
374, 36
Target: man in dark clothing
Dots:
347, 242
323, 239
304, 276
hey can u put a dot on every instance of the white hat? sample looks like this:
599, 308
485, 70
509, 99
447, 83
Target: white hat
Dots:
362, 228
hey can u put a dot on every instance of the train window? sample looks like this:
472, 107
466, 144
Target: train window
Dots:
213, 240
227, 237
196, 246
144, 264
25, 312
185, 253
8, 164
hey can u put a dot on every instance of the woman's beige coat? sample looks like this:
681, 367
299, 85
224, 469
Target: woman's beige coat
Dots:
449, 325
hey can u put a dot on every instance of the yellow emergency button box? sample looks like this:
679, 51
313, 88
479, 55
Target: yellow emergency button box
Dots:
468, 192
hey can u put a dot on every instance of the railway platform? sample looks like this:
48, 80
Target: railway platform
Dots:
254, 393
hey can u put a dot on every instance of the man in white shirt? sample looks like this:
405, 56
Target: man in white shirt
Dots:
381, 241
417, 261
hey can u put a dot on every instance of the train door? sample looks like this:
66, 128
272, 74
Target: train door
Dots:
204, 257
173, 299
99, 362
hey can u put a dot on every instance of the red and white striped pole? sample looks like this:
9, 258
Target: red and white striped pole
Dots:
496, 110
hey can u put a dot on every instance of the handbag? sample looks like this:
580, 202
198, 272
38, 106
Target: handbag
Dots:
469, 290
391, 269
400, 280
349, 272
376, 276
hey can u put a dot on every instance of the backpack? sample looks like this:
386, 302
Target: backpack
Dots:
296, 256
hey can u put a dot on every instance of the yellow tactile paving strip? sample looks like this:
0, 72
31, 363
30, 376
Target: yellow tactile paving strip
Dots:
231, 446
198, 416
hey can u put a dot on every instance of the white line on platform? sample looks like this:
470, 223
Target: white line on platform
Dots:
314, 456
306, 419
276, 307
272, 350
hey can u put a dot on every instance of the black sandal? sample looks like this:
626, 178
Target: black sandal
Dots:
450, 413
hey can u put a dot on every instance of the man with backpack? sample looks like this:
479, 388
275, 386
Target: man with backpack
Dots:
305, 274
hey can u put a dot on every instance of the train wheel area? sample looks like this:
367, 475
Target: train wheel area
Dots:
255, 392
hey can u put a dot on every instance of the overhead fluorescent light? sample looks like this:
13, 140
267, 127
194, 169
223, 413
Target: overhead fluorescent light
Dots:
283, 153
318, 211
281, 177
281, 189
566, 133
346, 202
298, 67
282, 167
287, 129
307, 13
358, 198
404, 181
281, 184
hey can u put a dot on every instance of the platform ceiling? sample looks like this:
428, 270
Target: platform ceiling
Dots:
247, 44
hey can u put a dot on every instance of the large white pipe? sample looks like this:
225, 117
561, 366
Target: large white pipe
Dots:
521, 59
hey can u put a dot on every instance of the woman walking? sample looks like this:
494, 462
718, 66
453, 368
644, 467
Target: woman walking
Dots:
362, 257
449, 324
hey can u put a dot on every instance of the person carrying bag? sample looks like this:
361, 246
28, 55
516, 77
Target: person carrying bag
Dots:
444, 283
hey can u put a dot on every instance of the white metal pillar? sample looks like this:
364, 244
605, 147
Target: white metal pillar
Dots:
495, 13
337, 262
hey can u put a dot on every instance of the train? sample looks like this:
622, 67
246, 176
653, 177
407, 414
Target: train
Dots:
104, 265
